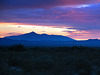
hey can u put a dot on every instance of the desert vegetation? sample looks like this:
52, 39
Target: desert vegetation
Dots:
20, 60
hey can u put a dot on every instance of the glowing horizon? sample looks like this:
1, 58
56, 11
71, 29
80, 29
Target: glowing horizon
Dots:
8, 29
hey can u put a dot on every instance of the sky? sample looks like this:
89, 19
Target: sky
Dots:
77, 19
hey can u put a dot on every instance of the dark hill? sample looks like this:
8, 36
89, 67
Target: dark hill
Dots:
32, 36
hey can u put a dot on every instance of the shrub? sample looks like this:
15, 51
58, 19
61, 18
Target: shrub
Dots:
98, 72
16, 48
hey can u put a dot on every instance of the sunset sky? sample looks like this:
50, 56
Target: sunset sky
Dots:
78, 19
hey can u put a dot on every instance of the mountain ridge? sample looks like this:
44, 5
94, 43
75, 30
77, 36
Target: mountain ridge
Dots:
32, 36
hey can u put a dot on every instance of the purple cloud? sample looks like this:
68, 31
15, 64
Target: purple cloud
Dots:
79, 18
42, 3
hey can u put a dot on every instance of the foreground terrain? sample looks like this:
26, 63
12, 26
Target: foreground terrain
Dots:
20, 60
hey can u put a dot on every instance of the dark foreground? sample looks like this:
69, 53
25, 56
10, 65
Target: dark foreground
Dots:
17, 60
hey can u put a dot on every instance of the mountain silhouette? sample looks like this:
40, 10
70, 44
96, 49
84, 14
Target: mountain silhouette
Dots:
32, 36
86, 43
34, 39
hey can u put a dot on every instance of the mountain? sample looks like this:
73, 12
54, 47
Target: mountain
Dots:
93, 40
7, 42
34, 39
32, 36
10, 42
86, 43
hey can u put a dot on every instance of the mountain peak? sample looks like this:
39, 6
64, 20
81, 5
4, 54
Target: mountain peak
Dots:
32, 32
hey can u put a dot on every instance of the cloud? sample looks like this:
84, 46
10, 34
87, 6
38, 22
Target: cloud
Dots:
13, 33
93, 34
42, 3
80, 18
3, 34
